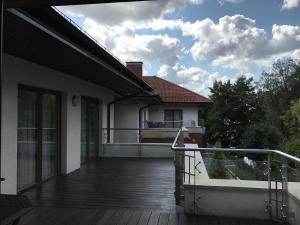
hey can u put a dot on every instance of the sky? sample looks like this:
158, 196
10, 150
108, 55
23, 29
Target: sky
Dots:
196, 42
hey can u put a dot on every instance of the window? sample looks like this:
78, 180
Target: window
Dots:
173, 118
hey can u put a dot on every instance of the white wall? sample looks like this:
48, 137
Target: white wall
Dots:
126, 115
18, 71
145, 150
189, 112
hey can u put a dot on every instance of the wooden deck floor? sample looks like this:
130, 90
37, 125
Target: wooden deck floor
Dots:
115, 192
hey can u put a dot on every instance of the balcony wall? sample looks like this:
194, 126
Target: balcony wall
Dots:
232, 198
143, 150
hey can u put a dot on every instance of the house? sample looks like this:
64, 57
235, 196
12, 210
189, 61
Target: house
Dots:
57, 86
168, 107
180, 106
59, 90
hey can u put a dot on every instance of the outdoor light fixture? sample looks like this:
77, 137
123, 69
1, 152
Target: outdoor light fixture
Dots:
75, 100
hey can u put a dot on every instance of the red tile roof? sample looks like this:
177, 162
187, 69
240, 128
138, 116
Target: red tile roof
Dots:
173, 93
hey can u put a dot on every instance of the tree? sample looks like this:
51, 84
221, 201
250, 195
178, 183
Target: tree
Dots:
291, 120
278, 88
235, 107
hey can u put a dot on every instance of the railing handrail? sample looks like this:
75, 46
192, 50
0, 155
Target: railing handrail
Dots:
232, 150
141, 129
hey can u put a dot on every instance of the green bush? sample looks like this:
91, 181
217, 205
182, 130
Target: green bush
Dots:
217, 168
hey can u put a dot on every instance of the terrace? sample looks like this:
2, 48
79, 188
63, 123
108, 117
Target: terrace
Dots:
116, 191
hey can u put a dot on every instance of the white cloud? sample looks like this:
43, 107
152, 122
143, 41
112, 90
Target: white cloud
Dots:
289, 4
137, 12
193, 73
235, 42
128, 46
222, 2
193, 78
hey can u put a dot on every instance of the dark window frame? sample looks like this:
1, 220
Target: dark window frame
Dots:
173, 122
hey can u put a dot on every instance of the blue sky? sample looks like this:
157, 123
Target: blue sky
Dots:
195, 42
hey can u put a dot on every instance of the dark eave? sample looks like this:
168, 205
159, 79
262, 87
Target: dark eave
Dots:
44, 37
40, 3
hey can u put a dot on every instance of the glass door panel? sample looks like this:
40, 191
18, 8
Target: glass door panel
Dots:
89, 128
177, 118
27, 138
93, 128
168, 118
49, 136
83, 131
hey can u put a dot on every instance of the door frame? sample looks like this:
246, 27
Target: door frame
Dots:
39, 132
173, 110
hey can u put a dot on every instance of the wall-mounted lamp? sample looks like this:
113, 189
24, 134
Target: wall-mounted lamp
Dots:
75, 100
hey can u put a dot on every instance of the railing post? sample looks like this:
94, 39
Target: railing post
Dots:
284, 178
179, 170
269, 202
179, 166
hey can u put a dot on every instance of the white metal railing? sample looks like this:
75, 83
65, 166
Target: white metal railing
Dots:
169, 124
135, 135
277, 168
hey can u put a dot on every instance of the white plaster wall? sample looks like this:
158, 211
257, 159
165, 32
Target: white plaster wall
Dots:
18, 71
189, 112
127, 116
145, 150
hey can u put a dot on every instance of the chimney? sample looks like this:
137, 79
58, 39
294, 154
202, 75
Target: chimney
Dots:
136, 68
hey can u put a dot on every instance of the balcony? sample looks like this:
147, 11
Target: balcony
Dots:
237, 182
172, 124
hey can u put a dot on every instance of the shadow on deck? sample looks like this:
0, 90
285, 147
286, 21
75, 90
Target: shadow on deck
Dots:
115, 192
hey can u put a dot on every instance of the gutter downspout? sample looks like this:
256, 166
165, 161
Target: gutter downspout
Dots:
108, 111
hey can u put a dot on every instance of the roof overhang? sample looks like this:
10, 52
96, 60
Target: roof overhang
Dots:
46, 38
149, 99
40, 3
188, 103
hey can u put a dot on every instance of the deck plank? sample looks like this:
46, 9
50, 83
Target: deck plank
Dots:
154, 218
173, 219
106, 217
125, 217
163, 219
144, 218
134, 219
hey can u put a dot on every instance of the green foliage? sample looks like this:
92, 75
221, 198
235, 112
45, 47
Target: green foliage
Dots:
262, 115
291, 118
278, 88
261, 135
235, 106
291, 146
217, 168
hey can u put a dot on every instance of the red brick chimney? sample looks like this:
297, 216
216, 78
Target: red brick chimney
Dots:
136, 68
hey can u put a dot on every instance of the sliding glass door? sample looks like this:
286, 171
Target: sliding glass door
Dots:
38, 136
173, 118
27, 138
89, 128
